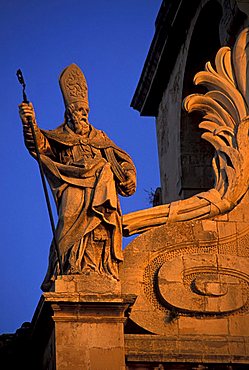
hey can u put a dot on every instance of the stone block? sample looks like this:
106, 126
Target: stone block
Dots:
65, 283
191, 345
226, 229
195, 326
209, 225
87, 284
241, 212
237, 347
239, 325
217, 346
221, 217
246, 341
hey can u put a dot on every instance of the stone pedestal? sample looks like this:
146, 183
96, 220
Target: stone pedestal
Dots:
80, 325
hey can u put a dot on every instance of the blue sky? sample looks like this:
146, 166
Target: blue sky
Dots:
109, 40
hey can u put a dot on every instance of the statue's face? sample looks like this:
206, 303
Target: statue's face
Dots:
78, 114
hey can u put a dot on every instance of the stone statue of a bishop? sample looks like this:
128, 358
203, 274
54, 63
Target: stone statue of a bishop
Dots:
86, 171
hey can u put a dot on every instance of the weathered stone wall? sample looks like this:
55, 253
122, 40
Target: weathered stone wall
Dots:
168, 129
185, 159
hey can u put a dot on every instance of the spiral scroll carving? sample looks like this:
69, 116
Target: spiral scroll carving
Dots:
207, 284
188, 269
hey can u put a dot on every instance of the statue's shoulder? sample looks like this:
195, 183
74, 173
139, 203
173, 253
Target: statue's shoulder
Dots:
60, 135
100, 139
54, 132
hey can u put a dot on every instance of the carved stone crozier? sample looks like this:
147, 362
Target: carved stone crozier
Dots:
85, 170
195, 266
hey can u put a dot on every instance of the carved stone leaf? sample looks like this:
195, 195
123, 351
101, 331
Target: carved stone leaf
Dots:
212, 109
212, 81
241, 64
226, 103
223, 64
224, 133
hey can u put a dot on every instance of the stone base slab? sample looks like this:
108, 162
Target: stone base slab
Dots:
87, 284
148, 348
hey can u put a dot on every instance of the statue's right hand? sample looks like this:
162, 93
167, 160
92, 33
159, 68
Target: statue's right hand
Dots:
26, 111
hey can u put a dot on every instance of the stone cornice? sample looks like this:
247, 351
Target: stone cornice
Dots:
170, 25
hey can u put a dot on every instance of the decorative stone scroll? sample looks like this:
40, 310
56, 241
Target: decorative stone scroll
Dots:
190, 267
189, 272
206, 284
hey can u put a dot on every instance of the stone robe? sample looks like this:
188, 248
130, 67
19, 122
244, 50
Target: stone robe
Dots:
84, 174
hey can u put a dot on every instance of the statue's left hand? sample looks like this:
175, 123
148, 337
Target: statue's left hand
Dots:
129, 186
